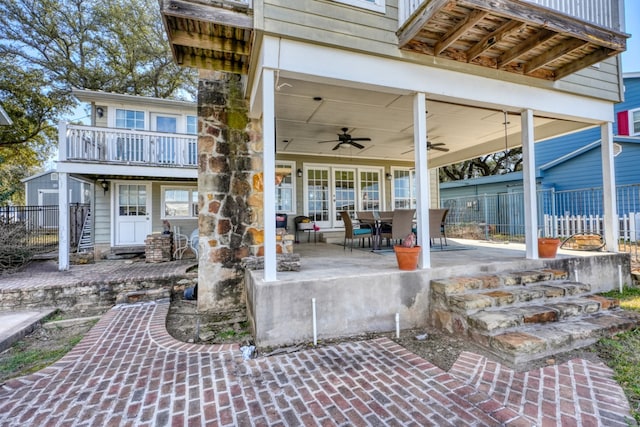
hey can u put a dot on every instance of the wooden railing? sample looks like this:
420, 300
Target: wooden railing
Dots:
604, 13
87, 143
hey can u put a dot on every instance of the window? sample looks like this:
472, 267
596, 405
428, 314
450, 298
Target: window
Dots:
635, 121
130, 119
132, 200
375, 5
192, 125
285, 190
404, 189
179, 202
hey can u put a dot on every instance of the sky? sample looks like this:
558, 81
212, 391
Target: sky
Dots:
631, 58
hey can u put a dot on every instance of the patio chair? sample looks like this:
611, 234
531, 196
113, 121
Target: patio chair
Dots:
401, 225
194, 241
354, 233
437, 218
180, 243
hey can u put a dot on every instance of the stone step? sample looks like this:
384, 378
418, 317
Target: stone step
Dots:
464, 284
521, 345
540, 291
492, 320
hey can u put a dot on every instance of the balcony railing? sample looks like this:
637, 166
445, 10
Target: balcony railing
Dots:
122, 146
604, 13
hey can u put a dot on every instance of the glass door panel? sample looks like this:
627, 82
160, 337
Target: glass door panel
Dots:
317, 195
344, 194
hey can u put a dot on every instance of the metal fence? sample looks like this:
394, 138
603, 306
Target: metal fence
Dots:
41, 224
500, 216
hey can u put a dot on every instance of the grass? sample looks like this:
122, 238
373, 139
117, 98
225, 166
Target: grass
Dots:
24, 361
622, 352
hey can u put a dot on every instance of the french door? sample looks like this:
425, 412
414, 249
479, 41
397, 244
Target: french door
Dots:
328, 190
165, 145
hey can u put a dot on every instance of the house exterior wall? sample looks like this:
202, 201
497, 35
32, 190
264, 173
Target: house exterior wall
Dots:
48, 182
347, 27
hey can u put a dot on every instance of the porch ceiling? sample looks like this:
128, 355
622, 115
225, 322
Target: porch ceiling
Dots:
510, 35
302, 120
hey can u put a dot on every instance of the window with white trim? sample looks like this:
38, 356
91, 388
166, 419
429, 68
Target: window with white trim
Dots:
179, 202
285, 189
634, 116
374, 5
403, 188
129, 119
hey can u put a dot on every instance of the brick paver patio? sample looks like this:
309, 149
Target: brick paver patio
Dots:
129, 371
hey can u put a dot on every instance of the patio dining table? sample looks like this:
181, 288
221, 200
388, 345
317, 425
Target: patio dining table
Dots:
376, 227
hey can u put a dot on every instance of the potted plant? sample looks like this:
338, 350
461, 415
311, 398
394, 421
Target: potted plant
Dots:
407, 253
548, 247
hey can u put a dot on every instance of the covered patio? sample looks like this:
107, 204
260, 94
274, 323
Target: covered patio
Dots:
363, 291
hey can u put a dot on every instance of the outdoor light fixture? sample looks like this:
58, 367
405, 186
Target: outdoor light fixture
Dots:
388, 176
299, 173
100, 111
105, 185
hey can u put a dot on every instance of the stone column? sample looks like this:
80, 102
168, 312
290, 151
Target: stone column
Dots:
229, 192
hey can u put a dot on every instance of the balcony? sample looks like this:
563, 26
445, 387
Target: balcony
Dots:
127, 147
546, 39
205, 35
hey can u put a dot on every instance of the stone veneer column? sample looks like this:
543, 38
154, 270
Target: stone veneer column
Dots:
230, 192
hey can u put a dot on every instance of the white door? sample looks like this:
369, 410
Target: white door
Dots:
344, 194
165, 146
133, 214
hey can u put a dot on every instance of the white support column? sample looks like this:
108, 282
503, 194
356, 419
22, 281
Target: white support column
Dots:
269, 173
63, 221
529, 182
609, 188
422, 177
62, 141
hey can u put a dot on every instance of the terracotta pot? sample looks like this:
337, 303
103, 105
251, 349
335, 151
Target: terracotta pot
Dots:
548, 247
407, 257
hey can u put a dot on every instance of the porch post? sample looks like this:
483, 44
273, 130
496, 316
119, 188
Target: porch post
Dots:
63, 221
422, 177
269, 173
529, 178
609, 188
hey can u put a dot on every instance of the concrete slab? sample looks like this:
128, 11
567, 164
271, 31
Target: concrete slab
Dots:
17, 324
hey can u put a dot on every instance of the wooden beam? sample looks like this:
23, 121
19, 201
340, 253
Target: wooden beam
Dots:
424, 14
206, 13
457, 31
204, 62
524, 47
533, 14
203, 41
554, 53
495, 37
596, 56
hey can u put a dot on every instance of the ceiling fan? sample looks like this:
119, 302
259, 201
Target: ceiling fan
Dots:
345, 138
431, 145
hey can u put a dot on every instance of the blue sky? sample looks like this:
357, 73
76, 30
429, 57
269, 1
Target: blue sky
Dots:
631, 58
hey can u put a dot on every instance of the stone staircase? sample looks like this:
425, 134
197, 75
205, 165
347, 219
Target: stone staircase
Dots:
524, 316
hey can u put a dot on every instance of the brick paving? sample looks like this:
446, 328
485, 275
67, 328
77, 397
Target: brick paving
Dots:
129, 371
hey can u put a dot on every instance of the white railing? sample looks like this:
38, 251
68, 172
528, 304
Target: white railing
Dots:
604, 13
124, 146
567, 225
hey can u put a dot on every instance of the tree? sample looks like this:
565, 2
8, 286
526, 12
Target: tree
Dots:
30, 140
116, 46
49, 47
491, 164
